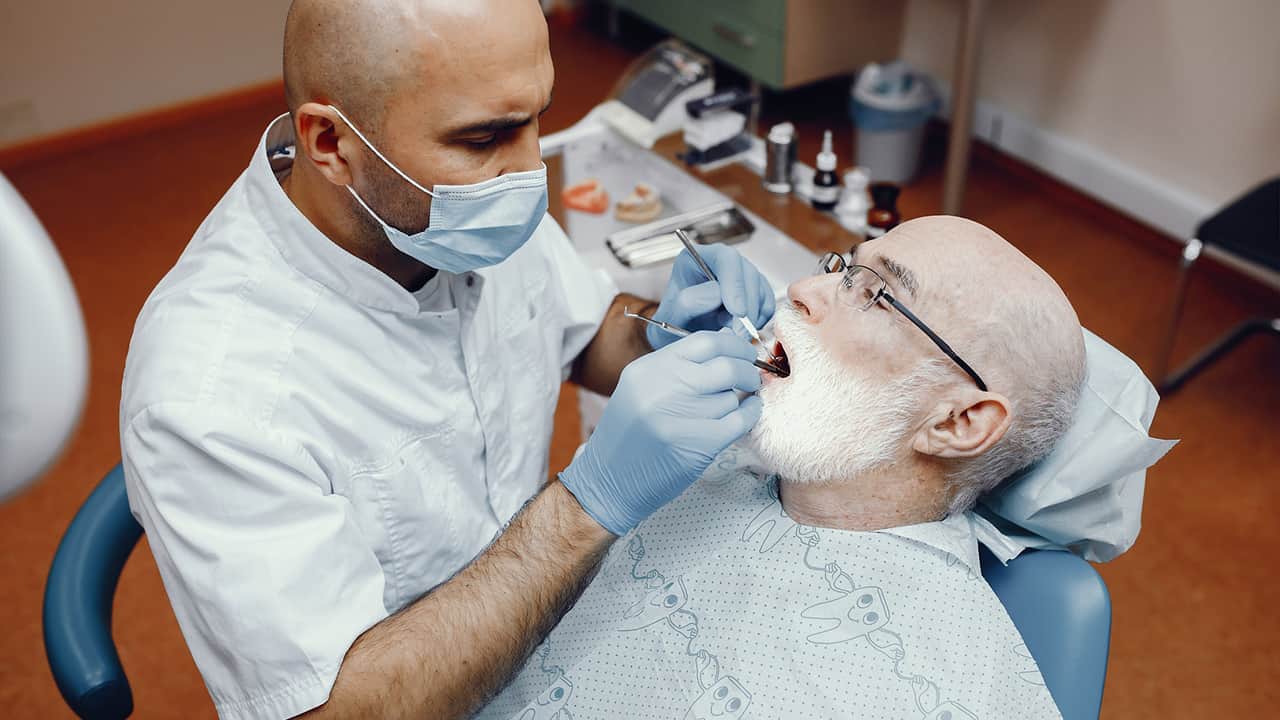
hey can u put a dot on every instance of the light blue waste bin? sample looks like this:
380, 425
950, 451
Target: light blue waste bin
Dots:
890, 105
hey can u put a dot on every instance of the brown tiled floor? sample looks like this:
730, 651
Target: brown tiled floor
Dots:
1195, 601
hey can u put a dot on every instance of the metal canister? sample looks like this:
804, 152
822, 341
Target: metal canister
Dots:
779, 156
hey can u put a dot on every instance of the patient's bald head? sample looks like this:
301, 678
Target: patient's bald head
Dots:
894, 397
1007, 313
1013, 322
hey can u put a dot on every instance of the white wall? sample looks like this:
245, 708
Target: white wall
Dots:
69, 63
1176, 102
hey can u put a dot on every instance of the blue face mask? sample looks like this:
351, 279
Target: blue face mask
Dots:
470, 226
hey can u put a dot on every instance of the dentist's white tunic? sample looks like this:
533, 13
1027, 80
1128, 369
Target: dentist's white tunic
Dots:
310, 447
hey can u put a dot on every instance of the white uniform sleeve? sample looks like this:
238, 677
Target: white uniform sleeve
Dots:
266, 570
586, 293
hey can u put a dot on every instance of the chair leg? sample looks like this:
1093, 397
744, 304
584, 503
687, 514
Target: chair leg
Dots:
1220, 348
614, 24
1189, 255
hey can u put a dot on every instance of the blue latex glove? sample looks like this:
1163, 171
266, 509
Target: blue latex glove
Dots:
693, 302
674, 410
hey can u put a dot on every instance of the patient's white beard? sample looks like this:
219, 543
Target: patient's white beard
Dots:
826, 423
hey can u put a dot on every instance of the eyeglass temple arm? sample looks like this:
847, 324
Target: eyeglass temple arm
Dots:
942, 345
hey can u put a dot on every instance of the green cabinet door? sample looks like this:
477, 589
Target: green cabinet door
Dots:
747, 34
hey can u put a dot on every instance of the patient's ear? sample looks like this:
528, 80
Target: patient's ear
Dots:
964, 425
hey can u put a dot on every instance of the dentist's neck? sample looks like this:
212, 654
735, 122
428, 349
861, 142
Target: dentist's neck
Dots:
892, 496
332, 211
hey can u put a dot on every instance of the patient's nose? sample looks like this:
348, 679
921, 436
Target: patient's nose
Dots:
812, 296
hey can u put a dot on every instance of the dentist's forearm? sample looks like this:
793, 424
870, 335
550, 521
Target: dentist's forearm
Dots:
619, 340
453, 649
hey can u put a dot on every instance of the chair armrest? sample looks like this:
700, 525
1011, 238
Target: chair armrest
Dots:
78, 600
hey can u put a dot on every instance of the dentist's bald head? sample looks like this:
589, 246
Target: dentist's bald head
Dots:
449, 91
351, 54
367, 55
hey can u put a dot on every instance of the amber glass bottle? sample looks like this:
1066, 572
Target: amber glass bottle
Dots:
883, 216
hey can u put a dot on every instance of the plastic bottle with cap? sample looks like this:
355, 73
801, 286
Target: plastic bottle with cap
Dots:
826, 188
855, 201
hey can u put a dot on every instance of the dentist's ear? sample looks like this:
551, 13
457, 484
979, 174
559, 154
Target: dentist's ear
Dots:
964, 425
326, 140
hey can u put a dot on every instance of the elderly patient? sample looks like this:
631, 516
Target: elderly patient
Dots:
828, 566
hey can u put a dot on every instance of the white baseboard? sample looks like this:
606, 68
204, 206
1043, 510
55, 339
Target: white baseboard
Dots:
1133, 192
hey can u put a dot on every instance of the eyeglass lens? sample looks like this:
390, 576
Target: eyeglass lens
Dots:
831, 262
860, 288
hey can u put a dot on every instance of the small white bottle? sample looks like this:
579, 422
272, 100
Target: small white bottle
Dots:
855, 201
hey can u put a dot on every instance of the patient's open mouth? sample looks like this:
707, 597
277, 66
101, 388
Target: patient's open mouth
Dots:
780, 358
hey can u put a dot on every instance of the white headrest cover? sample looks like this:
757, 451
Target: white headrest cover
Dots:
1086, 496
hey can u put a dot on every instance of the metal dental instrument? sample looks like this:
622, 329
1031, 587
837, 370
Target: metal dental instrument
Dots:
681, 332
706, 270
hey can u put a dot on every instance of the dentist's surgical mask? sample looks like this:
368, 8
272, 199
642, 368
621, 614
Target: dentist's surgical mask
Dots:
470, 226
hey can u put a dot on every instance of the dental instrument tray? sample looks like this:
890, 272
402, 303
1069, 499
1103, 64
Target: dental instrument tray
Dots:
656, 242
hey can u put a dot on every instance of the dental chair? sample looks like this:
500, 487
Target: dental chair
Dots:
1062, 609
44, 356
44, 364
1056, 599
1086, 495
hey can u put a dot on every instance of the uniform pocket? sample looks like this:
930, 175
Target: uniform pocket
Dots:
531, 336
422, 523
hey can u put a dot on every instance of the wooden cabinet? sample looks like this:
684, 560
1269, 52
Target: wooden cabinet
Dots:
782, 43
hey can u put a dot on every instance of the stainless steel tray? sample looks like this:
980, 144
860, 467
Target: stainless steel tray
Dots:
656, 242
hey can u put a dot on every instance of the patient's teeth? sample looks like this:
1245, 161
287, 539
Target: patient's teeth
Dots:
780, 357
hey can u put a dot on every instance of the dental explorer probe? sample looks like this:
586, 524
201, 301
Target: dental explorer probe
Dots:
706, 270
681, 332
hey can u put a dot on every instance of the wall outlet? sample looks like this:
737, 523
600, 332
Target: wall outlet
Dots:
18, 121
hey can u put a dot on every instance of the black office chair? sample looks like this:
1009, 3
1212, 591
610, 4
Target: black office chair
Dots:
1247, 231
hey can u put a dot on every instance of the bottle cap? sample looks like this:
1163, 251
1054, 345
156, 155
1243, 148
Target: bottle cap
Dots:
857, 179
782, 132
826, 158
885, 195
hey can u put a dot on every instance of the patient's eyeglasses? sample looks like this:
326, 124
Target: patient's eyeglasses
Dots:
861, 287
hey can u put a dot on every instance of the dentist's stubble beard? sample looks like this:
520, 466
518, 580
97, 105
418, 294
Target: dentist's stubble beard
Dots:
399, 203
825, 423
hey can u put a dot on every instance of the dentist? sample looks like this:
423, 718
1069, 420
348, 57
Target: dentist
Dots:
337, 406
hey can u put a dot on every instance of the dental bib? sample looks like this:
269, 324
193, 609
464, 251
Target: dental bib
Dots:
722, 606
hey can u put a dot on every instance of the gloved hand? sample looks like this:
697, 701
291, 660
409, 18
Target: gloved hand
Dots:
693, 302
674, 410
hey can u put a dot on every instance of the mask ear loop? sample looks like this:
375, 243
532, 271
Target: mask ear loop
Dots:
377, 152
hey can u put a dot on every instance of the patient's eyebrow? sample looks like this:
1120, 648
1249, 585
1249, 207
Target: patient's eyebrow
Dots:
905, 277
